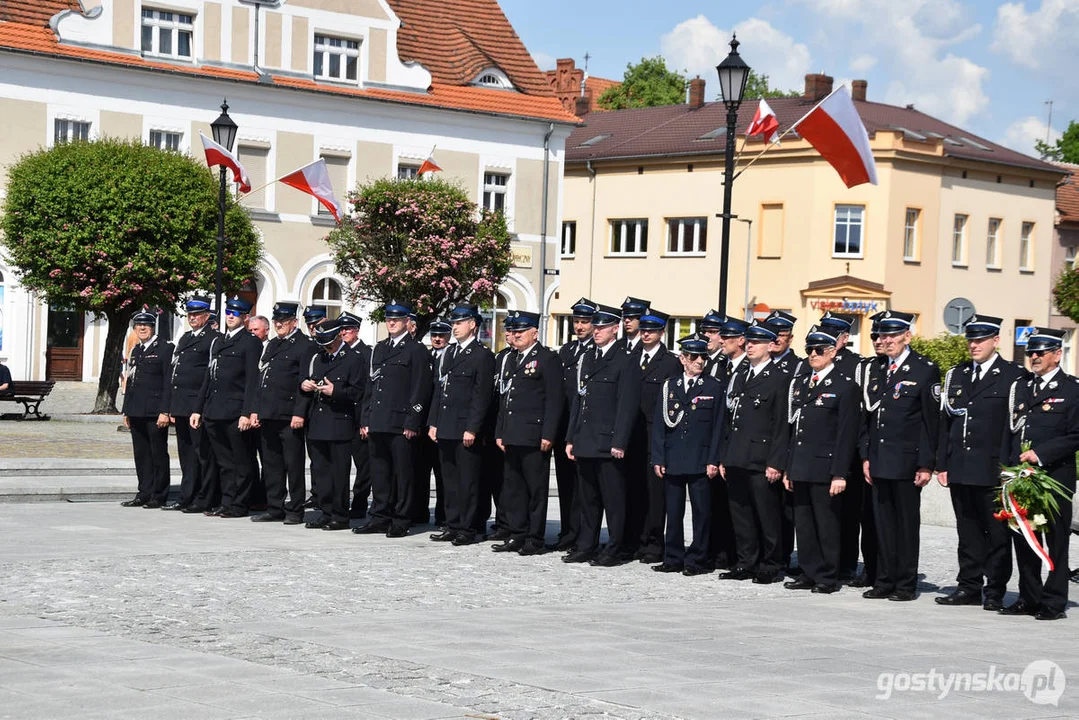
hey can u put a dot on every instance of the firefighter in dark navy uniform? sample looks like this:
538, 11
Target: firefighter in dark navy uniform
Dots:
395, 407
526, 429
840, 325
632, 310
146, 411
361, 487
900, 446
784, 358
428, 460
825, 419
279, 414
686, 438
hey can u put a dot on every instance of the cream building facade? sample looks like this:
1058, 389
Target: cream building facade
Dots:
304, 79
953, 218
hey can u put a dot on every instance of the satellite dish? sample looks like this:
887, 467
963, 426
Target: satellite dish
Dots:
956, 313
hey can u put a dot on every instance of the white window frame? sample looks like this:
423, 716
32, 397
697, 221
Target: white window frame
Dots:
161, 22
163, 140
992, 244
849, 223
323, 44
333, 307
568, 244
407, 171
959, 234
66, 129
1070, 253
684, 236
492, 189
910, 234
639, 240
1026, 246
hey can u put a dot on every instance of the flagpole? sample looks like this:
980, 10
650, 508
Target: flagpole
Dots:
266, 185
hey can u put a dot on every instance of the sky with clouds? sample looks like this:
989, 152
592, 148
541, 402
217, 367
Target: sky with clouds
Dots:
986, 66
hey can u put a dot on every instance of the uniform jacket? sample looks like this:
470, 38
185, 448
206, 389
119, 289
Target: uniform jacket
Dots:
663, 365
697, 414
399, 386
716, 367
824, 435
758, 428
902, 417
972, 422
232, 378
283, 366
1050, 423
333, 418
791, 364
607, 403
189, 362
462, 390
364, 351
845, 361
149, 388
531, 407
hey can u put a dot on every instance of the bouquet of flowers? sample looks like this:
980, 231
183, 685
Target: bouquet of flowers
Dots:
1029, 499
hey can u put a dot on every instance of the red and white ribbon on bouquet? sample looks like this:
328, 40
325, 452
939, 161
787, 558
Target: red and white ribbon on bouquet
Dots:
1025, 528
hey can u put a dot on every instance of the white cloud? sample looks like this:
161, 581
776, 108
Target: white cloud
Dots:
697, 46
862, 63
1023, 133
543, 60
1042, 39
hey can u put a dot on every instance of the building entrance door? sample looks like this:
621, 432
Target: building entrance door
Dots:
63, 353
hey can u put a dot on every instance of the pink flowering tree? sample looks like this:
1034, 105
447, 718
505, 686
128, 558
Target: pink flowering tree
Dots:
422, 242
110, 227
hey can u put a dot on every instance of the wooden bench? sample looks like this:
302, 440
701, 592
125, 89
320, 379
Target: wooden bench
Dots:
30, 393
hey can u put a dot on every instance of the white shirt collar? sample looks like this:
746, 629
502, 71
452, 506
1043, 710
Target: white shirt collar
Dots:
395, 341
632, 343
738, 361
823, 373
527, 350
650, 354
757, 370
686, 380
294, 331
898, 362
984, 367
149, 342
466, 343
603, 350
1047, 377
232, 333
713, 356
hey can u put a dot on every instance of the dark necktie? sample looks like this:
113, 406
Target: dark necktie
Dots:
1038, 386
644, 362
516, 361
977, 376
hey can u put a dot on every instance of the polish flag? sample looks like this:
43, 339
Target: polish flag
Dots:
764, 123
314, 179
217, 155
834, 128
429, 164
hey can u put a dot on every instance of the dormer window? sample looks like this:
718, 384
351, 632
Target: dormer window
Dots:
167, 33
493, 78
337, 59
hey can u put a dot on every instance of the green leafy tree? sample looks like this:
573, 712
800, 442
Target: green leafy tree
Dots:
646, 84
109, 227
946, 350
420, 241
1065, 149
1066, 293
757, 87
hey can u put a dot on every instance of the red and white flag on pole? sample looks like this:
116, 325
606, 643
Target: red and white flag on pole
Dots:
429, 164
314, 179
217, 155
764, 123
835, 129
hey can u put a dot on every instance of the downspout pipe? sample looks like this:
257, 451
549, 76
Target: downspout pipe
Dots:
592, 232
545, 319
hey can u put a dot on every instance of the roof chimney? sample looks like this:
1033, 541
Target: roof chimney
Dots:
818, 86
857, 90
696, 92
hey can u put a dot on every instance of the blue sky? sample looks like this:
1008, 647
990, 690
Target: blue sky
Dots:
986, 66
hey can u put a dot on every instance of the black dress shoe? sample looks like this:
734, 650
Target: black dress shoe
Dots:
500, 535
650, 558
371, 529
665, 568
133, 502
530, 548
993, 605
565, 545
1047, 614
336, 525
877, 593
265, 517
605, 560
193, 509
737, 574
214, 512
767, 578
802, 583
1020, 607
463, 539
825, 589
509, 546
860, 581
317, 524
232, 514
960, 597
902, 596
695, 570
153, 505
293, 520
396, 532
578, 556
172, 506
444, 536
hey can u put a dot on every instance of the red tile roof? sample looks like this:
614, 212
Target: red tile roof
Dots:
27, 30
678, 129
1068, 194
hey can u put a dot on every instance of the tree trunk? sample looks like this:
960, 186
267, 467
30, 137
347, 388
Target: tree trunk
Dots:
109, 381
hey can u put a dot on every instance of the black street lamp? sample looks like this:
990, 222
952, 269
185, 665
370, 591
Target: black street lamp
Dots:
733, 74
224, 130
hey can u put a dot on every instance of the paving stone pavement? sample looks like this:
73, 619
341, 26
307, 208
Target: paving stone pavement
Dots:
108, 612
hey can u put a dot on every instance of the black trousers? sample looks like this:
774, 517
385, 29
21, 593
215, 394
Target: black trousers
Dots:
652, 537
525, 490
756, 513
193, 451
817, 519
427, 459
151, 448
491, 481
637, 471
985, 550
331, 461
722, 544
858, 525
602, 489
461, 469
1053, 593
569, 504
897, 505
283, 468
235, 454
700, 503
209, 492
361, 487
787, 520
393, 477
